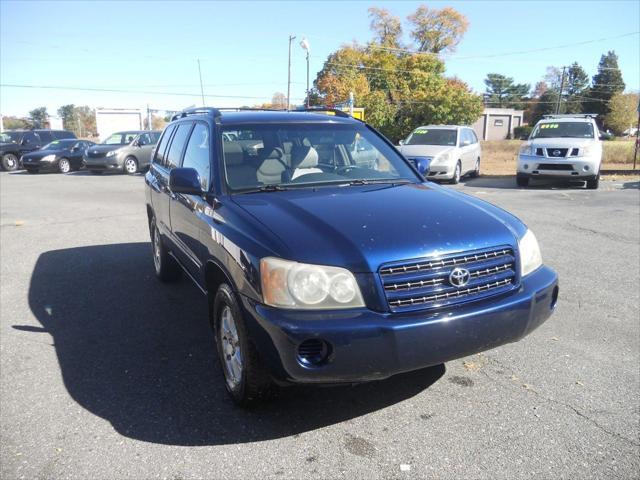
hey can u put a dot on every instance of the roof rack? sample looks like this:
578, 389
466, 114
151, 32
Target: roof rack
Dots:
571, 115
336, 111
214, 112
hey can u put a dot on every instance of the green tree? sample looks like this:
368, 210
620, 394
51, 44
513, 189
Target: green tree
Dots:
604, 85
38, 117
69, 120
502, 92
623, 112
437, 31
386, 27
575, 84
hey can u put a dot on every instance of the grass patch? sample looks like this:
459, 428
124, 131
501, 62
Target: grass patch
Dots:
499, 156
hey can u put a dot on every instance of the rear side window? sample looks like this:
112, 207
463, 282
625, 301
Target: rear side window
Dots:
473, 136
155, 136
30, 138
177, 145
162, 146
197, 154
60, 134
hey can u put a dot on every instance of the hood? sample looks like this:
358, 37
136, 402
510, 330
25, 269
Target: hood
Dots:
104, 148
362, 227
560, 142
424, 150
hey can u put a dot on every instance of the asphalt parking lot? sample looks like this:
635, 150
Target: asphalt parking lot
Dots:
106, 373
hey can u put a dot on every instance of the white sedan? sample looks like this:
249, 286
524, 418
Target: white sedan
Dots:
451, 150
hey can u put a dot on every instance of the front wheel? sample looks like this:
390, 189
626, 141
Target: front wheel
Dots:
246, 379
64, 166
457, 174
130, 165
593, 184
9, 162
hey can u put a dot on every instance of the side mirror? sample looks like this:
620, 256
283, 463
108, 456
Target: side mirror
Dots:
185, 180
422, 164
401, 142
466, 143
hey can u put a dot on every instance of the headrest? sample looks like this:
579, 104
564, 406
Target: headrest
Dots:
304, 157
270, 152
233, 154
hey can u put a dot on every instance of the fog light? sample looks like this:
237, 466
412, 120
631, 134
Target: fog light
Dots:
526, 166
313, 352
586, 168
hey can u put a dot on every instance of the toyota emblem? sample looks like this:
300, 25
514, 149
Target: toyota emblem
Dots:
459, 277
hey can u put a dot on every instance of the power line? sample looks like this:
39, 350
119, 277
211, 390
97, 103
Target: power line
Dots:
114, 90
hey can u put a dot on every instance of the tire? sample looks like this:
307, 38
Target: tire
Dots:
10, 162
165, 266
96, 172
64, 165
476, 170
247, 381
130, 165
522, 181
593, 184
456, 174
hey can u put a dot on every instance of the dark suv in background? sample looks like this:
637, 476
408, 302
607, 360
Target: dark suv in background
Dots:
15, 143
323, 267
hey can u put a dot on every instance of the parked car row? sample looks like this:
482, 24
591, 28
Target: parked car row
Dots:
59, 150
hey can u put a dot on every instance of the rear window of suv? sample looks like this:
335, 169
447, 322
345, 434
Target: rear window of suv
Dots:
563, 130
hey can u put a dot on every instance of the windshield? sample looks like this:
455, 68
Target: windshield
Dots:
59, 144
563, 129
272, 156
432, 136
10, 137
120, 138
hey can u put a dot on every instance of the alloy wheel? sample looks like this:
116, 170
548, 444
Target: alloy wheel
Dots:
130, 165
64, 166
230, 348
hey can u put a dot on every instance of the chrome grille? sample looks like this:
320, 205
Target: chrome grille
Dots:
425, 284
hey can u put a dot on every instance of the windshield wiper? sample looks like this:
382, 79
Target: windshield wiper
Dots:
391, 181
266, 188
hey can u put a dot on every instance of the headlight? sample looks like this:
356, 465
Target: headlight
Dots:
112, 153
295, 285
526, 149
530, 257
586, 150
443, 157
48, 158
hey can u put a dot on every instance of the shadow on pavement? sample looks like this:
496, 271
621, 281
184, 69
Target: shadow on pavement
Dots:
140, 354
509, 182
631, 185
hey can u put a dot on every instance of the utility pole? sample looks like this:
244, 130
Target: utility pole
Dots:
637, 146
149, 127
561, 89
291, 39
201, 87
305, 45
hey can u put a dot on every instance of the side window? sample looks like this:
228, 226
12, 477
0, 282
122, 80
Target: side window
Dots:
197, 153
30, 139
473, 136
155, 136
45, 137
162, 146
177, 145
144, 139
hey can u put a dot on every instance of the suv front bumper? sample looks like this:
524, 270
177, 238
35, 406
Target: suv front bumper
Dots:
582, 168
366, 345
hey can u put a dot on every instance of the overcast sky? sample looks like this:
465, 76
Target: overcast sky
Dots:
153, 47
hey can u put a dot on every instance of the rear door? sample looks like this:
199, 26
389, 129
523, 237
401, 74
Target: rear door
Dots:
188, 211
467, 150
148, 142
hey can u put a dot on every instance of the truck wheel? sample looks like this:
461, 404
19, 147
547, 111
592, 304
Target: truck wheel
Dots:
130, 165
64, 166
246, 379
457, 174
593, 184
167, 269
522, 181
9, 162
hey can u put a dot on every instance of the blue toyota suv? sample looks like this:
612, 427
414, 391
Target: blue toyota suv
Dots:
322, 268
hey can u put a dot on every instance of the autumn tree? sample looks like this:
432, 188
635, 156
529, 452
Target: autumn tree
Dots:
437, 31
279, 100
386, 27
623, 112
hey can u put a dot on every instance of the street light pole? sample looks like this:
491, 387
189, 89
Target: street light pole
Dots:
201, 87
291, 39
305, 45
